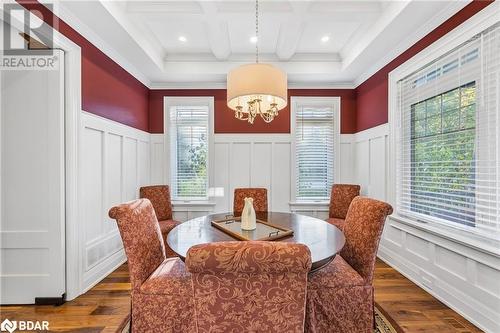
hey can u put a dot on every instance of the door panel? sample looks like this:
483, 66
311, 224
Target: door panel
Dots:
32, 260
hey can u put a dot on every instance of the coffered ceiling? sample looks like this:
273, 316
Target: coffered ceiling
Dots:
195, 43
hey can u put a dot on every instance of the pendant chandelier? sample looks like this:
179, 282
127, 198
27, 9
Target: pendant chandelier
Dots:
256, 89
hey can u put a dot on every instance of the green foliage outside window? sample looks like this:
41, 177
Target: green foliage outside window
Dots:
192, 166
443, 130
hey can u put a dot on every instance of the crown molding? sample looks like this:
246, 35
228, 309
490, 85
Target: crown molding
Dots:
153, 50
68, 17
452, 8
222, 85
250, 57
321, 85
187, 85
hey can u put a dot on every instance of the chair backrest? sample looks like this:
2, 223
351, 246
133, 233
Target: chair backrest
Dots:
340, 199
141, 238
259, 196
362, 229
249, 286
159, 195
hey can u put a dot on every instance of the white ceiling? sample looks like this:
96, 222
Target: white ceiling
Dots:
143, 36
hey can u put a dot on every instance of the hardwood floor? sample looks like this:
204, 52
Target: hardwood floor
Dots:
106, 307
413, 309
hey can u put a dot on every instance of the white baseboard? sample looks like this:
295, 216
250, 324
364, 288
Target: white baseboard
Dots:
106, 267
460, 302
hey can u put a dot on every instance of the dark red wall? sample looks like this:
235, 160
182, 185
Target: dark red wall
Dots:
224, 121
372, 95
107, 89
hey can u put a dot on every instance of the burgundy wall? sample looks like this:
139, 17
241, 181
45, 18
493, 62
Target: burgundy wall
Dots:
224, 121
373, 94
107, 89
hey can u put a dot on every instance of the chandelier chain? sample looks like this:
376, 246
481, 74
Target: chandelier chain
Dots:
257, 31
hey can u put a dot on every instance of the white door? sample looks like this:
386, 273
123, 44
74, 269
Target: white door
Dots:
32, 261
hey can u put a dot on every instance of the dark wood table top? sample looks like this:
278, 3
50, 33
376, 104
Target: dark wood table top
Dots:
323, 239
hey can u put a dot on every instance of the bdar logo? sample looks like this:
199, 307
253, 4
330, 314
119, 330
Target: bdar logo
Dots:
8, 325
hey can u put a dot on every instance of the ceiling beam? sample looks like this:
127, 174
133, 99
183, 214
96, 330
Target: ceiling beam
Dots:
288, 40
291, 31
217, 31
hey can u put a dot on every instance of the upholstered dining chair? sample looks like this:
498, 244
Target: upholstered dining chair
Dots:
340, 296
249, 286
159, 195
162, 294
259, 196
340, 199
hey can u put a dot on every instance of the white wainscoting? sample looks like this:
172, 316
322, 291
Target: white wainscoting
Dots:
114, 163
370, 161
249, 160
463, 277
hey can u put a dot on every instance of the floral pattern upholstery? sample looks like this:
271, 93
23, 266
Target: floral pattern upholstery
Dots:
342, 310
362, 230
161, 288
339, 223
340, 296
340, 199
259, 196
337, 274
141, 238
249, 286
159, 195
170, 275
165, 227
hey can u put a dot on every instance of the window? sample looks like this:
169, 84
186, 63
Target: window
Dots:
315, 135
188, 125
442, 143
447, 143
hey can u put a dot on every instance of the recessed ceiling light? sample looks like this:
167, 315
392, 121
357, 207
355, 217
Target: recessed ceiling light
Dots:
182, 39
253, 39
325, 38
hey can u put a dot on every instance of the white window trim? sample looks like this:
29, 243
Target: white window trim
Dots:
470, 28
190, 101
311, 100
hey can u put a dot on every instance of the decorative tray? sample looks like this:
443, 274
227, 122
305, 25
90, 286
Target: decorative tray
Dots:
265, 231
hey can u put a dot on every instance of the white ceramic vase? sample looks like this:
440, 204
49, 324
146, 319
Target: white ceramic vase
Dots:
248, 221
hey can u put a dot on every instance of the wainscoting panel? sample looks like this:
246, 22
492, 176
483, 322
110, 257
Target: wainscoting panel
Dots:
280, 177
370, 158
157, 160
114, 163
346, 160
250, 161
461, 276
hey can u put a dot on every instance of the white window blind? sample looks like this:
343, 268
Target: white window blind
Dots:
448, 146
188, 127
314, 151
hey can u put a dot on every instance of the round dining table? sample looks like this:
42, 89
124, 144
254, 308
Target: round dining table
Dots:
323, 239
